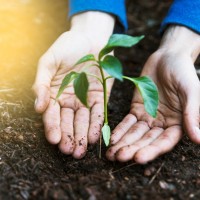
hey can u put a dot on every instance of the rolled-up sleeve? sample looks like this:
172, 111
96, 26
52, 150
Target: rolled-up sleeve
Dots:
185, 13
114, 7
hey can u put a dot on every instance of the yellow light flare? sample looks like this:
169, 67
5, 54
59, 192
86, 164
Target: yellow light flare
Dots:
27, 29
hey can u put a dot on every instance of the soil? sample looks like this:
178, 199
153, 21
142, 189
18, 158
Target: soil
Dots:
30, 168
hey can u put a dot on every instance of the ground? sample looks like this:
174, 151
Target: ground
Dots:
30, 168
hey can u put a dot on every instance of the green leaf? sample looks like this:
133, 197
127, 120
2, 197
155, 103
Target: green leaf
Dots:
81, 85
106, 134
89, 57
149, 93
112, 66
119, 40
68, 78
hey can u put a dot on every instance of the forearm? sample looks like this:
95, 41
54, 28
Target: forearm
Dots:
181, 40
97, 26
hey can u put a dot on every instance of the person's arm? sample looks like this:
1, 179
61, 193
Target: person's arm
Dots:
185, 13
113, 7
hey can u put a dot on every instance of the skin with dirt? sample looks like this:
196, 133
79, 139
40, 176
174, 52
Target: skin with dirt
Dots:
30, 168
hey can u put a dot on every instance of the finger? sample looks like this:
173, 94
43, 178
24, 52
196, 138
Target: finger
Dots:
42, 97
191, 114
163, 144
133, 135
127, 153
41, 87
122, 128
96, 121
51, 119
189, 92
81, 126
67, 143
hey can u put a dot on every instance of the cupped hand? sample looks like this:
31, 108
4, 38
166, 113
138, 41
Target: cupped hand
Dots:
67, 122
141, 138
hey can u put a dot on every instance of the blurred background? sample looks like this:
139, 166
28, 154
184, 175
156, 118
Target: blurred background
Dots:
27, 29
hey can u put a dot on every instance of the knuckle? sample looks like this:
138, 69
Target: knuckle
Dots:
165, 137
97, 116
96, 126
51, 127
129, 117
113, 139
34, 88
156, 147
95, 132
81, 122
143, 123
47, 60
119, 129
149, 136
93, 138
123, 151
41, 62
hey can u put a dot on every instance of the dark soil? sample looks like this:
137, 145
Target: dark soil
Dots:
30, 168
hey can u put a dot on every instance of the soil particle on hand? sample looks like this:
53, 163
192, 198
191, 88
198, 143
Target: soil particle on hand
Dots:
70, 137
80, 143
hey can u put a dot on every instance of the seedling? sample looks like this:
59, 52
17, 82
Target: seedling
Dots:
113, 67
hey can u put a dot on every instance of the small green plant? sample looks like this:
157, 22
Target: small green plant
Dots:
113, 67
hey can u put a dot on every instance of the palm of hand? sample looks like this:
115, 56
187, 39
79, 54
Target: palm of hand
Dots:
142, 138
68, 122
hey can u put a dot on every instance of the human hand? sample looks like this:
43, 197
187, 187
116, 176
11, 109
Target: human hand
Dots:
67, 122
140, 137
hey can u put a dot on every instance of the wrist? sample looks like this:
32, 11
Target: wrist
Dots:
96, 26
181, 40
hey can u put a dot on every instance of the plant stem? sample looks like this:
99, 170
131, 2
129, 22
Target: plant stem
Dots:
105, 96
108, 77
105, 102
95, 77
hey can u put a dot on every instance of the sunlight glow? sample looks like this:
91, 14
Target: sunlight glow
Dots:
27, 29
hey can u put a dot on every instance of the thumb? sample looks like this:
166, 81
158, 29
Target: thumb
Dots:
42, 94
191, 113
41, 87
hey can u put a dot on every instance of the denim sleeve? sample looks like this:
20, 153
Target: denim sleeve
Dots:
114, 7
184, 12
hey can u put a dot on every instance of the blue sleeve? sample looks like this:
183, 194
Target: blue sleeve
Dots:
184, 12
114, 7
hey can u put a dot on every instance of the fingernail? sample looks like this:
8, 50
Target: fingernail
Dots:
197, 130
35, 101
